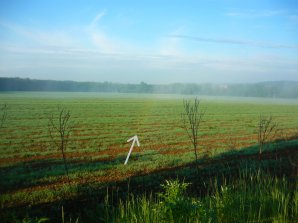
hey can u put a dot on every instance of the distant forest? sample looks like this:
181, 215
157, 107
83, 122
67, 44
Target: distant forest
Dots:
277, 89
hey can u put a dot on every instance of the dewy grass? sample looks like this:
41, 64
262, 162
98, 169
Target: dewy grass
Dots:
252, 198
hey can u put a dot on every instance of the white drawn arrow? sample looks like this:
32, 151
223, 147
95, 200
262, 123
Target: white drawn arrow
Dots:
134, 138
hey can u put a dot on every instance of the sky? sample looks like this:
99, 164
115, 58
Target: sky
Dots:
155, 41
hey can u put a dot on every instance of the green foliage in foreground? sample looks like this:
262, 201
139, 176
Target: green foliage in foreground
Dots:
252, 198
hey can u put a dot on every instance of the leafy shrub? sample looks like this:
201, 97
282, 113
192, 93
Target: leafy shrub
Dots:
175, 206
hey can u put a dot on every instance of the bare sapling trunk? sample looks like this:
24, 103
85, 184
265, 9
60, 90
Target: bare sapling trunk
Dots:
191, 119
267, 130
59, 130
3, 115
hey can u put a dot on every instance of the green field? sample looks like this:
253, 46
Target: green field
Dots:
31, 166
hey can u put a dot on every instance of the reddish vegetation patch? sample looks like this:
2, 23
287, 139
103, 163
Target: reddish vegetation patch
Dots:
181, 144
166, 146
48, 157
112, 152
17, 159
174, 151
110, 176
179, 133
206, 142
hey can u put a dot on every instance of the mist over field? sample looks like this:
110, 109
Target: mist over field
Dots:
281, 89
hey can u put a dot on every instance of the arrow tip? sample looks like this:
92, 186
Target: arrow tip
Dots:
134, 138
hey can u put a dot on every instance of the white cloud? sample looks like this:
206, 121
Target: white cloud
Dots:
99, 38
47, 38
94, 23
170, 47
103, 43
254, 14
254, 65
236, 42
294, 18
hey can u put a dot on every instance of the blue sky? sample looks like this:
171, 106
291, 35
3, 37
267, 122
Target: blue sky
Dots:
157, 41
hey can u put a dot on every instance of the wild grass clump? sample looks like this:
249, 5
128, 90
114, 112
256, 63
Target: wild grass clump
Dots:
255, 198
252, 198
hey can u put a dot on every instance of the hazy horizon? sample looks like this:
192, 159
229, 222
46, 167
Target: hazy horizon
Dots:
158, 42
168, 83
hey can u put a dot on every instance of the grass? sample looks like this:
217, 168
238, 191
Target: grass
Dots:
252, 198
219, 183
29, 162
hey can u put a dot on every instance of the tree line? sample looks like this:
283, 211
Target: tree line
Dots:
277, 89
